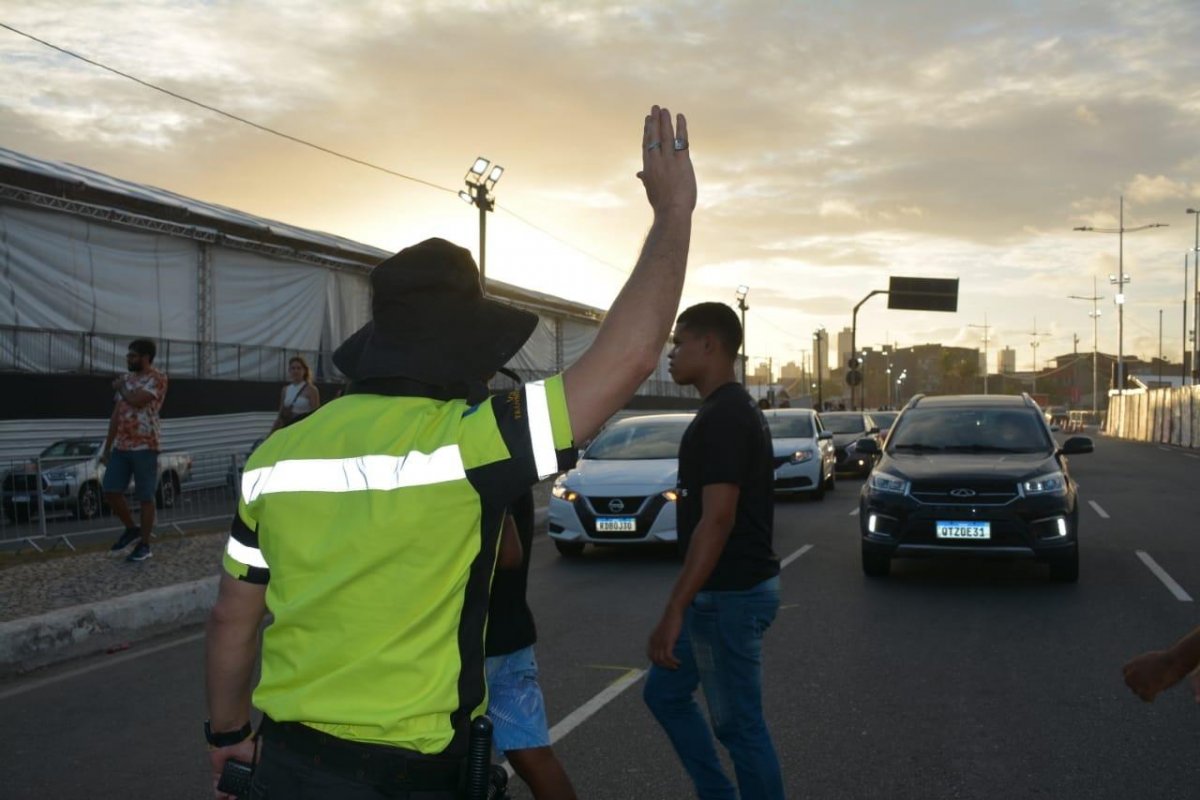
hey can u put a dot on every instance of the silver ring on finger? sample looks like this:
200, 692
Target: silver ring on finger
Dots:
653, 146
681, 144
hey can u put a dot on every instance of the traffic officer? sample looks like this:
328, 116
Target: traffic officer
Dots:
370, 529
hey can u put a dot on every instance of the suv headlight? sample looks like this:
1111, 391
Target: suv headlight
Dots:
671, 495
1050, 483
800, 456
563, 493
883, 482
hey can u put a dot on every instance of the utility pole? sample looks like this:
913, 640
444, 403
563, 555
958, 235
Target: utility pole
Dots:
818, 356
1160, 358
1095, 315
1035, 344
986, 339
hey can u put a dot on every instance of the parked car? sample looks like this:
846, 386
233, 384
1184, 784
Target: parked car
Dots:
623, 490
976, 475
849, 428
71, 478
804, 456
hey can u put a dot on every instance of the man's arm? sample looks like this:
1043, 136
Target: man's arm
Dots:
1153, 672
110, 438
704, 550
137, 398
231, 646
629, 343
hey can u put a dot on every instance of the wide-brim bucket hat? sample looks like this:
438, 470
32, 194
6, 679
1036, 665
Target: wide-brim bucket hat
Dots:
430, 321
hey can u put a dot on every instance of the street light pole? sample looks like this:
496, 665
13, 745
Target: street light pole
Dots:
1095, 315
1119, 280
480, 182
1183, 371
1196, 299
742, 291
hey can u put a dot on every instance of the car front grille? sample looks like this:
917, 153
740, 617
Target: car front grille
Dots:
955, 493
628, 505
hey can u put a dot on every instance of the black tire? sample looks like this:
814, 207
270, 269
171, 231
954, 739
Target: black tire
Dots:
831, 483
876, 565
90, 503
569, 549
819, 493
1066, 569
167, 494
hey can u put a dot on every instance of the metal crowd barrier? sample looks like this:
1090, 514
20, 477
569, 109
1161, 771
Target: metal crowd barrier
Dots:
50, 503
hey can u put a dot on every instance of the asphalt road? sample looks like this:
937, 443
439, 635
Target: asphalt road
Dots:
946, 680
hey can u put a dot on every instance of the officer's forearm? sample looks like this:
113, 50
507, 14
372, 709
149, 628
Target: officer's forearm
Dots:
231, 649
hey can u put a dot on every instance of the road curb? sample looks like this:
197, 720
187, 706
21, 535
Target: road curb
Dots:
67, 633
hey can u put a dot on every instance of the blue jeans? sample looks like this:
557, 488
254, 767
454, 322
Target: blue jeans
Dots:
720, 649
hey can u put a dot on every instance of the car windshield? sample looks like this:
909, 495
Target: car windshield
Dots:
636, 440
71, 450
843, 423
970, 430
790, 426
884, 419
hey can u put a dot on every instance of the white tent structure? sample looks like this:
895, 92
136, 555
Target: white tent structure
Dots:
87, 261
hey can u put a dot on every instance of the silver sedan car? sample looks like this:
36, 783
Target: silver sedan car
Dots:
623, 490
804, 456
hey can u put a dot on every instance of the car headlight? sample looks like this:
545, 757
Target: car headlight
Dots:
1050, 483
563, 493
671, 495
800, 456
883, 482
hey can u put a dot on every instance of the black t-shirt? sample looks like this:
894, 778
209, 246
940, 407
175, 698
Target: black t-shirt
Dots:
729, 442
510, 622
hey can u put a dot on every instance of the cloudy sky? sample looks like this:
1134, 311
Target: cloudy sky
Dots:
835, 143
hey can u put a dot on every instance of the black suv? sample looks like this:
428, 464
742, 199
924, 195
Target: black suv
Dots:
972, 475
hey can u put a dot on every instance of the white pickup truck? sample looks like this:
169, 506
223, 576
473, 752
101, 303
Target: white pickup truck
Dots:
71, 473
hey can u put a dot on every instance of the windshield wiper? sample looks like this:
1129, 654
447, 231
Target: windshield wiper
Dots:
919, 448
989, 448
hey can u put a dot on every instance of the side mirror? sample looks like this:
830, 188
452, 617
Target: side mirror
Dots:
1076, 445
868, 447
1055, 429
825, 435
874, 430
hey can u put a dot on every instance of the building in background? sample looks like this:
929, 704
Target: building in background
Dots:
1006, 361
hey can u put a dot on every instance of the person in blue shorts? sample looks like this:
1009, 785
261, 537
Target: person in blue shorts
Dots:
515, 703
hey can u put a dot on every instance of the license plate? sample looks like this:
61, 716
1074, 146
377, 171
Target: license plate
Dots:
624, 524
20, 498
964, 530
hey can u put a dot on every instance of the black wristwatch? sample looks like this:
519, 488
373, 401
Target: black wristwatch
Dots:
227, 738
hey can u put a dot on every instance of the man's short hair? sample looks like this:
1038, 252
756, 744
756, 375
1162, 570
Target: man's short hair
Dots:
716, 318
143, 347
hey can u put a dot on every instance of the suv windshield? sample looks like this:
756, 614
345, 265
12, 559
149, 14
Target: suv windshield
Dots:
71, 449
638, 440
790, 426
970, 430
843, 423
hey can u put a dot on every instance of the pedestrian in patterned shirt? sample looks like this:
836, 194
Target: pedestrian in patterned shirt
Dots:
132, 446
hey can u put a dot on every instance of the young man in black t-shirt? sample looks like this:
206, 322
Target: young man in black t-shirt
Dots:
727, 593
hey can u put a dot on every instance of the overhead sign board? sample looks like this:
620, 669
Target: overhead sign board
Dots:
923, 294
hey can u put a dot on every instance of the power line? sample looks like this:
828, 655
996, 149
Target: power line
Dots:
296, 139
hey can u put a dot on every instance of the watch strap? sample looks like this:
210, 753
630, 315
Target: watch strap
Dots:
227, 738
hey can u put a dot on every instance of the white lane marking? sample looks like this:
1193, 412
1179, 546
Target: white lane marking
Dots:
854, 513
1160, 573
580, 715
1096, 507
1165, 449
795, 555
107, 662
1191, 455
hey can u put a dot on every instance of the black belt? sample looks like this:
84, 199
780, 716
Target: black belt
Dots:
386, 768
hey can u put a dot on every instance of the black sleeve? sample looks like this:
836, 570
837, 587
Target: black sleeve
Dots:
507, 479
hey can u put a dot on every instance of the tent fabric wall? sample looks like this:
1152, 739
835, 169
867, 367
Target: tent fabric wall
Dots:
67, 273
265, 301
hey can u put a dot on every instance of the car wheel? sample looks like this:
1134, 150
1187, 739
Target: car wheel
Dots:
90, 503
168, 490
569, 549
1065, 569
819, 493
876, 565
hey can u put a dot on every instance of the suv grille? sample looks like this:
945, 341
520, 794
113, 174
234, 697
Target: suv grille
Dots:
949, 493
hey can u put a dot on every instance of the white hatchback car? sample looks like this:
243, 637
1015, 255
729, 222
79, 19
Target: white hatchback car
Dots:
623, 490
805, 460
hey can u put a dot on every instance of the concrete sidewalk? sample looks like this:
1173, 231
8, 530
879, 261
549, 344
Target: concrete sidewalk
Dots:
117, 603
